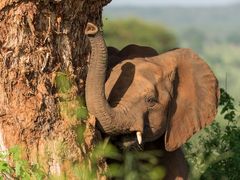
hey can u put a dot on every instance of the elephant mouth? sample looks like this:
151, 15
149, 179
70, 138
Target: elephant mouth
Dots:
151, 132
127, 142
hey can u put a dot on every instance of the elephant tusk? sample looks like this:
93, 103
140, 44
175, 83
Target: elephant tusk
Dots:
139, 137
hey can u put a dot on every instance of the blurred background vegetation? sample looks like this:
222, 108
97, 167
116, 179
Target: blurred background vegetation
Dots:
119, 33
213, 32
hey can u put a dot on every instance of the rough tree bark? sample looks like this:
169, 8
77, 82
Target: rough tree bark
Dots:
42, 42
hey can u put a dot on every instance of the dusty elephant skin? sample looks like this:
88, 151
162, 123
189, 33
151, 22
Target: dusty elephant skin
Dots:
169, 96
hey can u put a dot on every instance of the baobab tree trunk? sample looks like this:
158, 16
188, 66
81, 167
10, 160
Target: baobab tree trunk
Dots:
43, 66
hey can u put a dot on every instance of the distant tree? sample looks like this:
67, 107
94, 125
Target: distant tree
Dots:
234, 38
119, 33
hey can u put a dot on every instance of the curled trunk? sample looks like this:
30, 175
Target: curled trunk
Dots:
112, 120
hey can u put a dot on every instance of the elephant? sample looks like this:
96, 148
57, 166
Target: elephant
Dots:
174, 162
160, 98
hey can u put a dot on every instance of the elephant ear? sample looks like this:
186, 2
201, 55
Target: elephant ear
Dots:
195, 98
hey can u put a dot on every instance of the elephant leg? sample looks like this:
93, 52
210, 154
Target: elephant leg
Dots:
174, 162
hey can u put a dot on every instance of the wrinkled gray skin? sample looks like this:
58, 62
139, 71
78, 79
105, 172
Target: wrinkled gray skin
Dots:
165, 98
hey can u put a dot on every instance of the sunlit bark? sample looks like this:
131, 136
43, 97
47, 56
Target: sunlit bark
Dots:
42, 44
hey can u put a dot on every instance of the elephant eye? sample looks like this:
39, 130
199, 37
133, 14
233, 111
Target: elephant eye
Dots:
151, 101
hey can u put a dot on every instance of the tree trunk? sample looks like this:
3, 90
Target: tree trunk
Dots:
43, 64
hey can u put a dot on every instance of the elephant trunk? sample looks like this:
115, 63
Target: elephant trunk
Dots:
112, 120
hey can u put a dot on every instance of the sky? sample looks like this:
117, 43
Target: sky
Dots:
172, 2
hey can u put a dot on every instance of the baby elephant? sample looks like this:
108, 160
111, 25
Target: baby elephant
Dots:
163, 99
174, 162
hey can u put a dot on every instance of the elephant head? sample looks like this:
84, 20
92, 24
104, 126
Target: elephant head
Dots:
175, 94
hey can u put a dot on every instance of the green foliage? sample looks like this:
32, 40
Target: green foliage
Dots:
12, 166
123, 32
134, 166
88, 169
217, 154
138, 165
